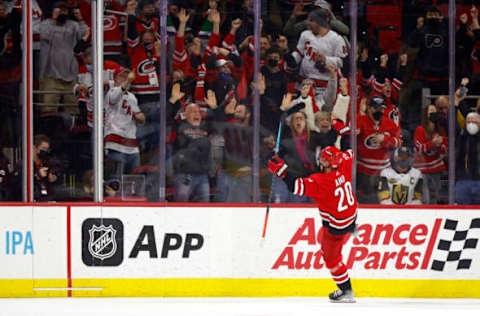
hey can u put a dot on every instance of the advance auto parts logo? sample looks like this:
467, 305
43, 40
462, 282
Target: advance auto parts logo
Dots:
102, 242
386, 246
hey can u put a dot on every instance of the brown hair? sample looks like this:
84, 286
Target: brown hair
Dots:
306, 125
39, 139
425, 122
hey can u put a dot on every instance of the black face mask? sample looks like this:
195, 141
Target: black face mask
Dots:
195, 61
433, 22
43, 155
62, 19
272, 62
148, 46
377, 116
150, 15
434, 117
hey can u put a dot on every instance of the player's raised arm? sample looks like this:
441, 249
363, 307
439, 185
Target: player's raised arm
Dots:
298, 186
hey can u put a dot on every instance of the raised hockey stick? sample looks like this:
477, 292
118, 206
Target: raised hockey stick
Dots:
267, 211
290, 111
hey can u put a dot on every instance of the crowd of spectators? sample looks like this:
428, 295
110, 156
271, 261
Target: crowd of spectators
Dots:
402, 141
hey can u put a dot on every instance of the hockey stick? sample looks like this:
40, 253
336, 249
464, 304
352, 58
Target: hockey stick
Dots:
290, 111
267, 211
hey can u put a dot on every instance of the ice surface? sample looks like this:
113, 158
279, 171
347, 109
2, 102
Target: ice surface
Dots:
236, 307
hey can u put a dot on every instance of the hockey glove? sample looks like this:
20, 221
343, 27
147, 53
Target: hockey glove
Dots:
341, 128
291, 63
277, 166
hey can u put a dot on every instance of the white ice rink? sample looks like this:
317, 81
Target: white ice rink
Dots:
236, 307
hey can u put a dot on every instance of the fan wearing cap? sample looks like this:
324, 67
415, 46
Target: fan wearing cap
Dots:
401, 184
331, 189
293, 27
318, 47
377, 136
122, 115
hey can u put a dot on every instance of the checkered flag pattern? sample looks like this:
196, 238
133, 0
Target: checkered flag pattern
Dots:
457, 243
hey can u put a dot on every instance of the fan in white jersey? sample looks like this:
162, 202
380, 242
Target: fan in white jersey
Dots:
318, 47
122, 115
401, 184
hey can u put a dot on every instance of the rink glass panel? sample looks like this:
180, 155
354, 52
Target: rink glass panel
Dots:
393, 33
58, 115
11, 99
211, 129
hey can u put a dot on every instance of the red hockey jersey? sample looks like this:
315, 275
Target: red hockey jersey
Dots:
428, 156
146, 78
333, 192
154, 26
374, 158
112, 35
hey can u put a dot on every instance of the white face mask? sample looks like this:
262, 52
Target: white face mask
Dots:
472, 128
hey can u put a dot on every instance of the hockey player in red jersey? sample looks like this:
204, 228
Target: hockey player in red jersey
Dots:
332, 190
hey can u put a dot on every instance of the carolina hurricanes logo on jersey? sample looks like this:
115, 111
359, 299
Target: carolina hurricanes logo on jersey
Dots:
394, 116
110, 22
368, 142
145, 67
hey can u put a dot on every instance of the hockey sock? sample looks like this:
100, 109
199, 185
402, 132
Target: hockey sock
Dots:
345, 286
340, 276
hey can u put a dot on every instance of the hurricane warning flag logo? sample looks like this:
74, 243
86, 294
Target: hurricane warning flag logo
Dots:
102, 244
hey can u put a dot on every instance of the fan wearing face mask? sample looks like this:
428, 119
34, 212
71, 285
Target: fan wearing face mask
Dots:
468, 161
377, 136
401, 184
431, 146
147, 18
58, 65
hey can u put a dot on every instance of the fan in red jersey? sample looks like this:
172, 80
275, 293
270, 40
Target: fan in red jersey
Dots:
377, 136
331, 189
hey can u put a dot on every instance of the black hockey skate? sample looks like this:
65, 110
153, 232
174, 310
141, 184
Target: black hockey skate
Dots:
340, 296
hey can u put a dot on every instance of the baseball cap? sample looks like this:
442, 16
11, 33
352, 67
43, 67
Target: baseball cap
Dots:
322, 4
321, 17
60, 4
120, 70
222, 62
377, 102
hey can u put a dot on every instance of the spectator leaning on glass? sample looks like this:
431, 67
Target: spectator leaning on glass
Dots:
431, 146
377, 136
192, 154
468, 161
122, 115
400, 183
58, 66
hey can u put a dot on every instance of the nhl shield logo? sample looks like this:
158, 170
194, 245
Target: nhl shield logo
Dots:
102, 244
